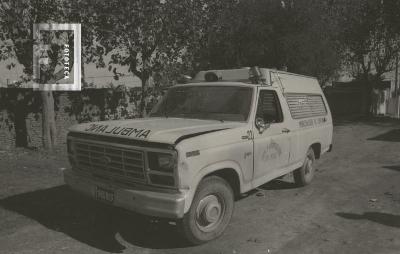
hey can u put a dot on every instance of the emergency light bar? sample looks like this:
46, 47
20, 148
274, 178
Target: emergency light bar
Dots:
286, 81
252, 75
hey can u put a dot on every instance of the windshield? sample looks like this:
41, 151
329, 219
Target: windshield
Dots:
224, 103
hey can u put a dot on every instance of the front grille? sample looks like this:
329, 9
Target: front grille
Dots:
109, 162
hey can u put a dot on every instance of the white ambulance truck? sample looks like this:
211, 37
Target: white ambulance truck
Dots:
206, 142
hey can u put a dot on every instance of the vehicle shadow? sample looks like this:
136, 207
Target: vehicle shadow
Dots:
367, 120
278, 184
390, 136
89, 222
381, 218
395, 168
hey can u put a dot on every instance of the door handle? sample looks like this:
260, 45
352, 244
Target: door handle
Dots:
249, 135
285, 130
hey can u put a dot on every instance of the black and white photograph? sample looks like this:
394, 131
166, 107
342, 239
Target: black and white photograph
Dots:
200, 126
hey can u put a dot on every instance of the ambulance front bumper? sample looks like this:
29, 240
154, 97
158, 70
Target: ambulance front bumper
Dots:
159, 204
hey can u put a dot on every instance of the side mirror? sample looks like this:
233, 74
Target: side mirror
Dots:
261, 125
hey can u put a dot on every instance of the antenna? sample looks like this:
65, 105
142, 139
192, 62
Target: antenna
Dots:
279, 81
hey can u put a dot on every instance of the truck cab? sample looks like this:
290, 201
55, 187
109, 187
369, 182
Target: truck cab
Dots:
206, 142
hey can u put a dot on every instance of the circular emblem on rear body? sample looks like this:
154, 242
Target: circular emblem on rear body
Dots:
105, 159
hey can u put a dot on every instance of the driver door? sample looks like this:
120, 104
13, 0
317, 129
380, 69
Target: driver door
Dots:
272, 145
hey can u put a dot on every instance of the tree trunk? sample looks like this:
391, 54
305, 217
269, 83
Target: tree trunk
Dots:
83, 80
142, 99
19, 110
371, 101
48, 120
21, 134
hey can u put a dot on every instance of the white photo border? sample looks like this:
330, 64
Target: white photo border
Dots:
76, 85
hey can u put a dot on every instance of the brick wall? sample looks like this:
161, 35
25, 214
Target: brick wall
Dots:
7, 131
34, 130
34, 126
64, 119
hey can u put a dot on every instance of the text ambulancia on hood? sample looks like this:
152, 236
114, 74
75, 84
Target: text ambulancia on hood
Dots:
117, 130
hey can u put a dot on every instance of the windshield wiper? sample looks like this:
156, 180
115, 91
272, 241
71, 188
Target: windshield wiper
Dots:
207, 114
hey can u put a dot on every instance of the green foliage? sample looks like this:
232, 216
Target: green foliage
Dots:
16, 26
16, 42
19, 102
309, 44
144, 35
139, 33
80, 101
104, 104
370, 36
164, 38
297, 35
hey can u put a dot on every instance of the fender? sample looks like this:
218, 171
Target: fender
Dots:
316, 141
208, 170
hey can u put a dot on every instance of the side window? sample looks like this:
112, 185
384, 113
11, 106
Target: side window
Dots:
269, 108
306, 105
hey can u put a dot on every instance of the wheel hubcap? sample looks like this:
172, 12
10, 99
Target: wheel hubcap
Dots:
309, 166
209, 213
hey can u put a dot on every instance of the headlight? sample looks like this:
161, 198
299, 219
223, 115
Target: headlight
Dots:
164, 162
162, 168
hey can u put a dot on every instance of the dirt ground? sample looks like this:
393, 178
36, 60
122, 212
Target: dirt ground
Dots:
353, 206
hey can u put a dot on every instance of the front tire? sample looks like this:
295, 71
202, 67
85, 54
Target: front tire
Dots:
210, 212
304, 175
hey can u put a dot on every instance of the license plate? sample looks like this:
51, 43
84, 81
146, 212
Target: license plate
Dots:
104, 195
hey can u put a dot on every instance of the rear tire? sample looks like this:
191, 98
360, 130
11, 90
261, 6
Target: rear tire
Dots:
210, 212
304, 175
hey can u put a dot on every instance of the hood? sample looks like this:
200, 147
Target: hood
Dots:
160, 129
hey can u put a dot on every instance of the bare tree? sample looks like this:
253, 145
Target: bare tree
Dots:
370, 38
